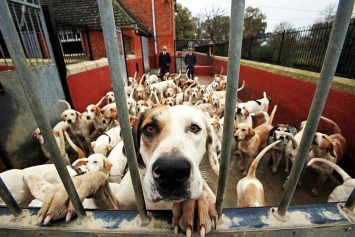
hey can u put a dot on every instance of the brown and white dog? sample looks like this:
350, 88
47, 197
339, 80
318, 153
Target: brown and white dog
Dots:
250, 190
329, 147
242, 115
251, 141
342, 192
256, 105
172, 141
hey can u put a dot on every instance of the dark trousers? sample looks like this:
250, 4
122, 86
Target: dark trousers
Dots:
164, 70
191, 72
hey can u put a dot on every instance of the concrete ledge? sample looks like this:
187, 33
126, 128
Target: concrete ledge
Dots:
75, 68
339, 83
85, 66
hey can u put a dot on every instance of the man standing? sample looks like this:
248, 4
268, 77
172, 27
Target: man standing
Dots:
164, 62
190, 62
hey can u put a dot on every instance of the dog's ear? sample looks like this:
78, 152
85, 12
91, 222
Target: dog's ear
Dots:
109, 147
331, 150
213, 148
93, 144
251, 133
62, 117
107, 165
136, 133
78, 114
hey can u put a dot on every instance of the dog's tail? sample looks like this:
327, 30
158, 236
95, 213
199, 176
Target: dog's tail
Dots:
76, 148
254, 164
272, 115
186, 75
100, 102
340, 171
220, 75
242, 87
266, 108
179, 75
334, 125
66, 102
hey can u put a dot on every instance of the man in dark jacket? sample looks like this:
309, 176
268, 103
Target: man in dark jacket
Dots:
190, 62
164, 62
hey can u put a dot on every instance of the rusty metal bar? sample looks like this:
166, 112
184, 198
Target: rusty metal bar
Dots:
111, 43
332, 56
234, 57
32, 94
9, 200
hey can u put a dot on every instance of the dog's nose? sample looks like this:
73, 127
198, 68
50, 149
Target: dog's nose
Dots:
171, 173
239, 111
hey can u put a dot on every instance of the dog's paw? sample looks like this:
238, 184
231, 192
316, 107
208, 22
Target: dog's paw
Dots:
57, 204
195, 215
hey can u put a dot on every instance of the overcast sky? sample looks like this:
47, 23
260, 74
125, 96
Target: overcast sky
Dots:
299, 12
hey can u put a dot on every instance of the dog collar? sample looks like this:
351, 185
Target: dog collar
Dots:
109, 138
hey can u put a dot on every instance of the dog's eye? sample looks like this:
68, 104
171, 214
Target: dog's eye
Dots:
194, 128
149, 130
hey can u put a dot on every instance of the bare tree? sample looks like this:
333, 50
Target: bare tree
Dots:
215, 24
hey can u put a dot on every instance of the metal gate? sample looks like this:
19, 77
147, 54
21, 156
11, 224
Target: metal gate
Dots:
29, 61
330, 219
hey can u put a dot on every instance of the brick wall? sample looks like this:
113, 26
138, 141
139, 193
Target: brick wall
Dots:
164, 22
97, 44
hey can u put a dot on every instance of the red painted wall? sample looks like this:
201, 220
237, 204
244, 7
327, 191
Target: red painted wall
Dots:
89, 87
294, 98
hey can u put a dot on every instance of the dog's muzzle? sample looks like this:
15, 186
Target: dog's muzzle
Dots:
172, 177
239, 111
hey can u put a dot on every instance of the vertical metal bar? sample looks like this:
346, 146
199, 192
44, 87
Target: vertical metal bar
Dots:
234, 57
282, 41
111, 43
336, 42
9, 200
350, 203
32, 95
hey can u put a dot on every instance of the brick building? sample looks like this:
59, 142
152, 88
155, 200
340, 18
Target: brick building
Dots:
145, 25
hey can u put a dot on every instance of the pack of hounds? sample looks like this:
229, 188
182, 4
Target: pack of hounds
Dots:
176, 122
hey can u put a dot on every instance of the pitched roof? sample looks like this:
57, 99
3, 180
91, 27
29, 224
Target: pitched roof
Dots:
86, 12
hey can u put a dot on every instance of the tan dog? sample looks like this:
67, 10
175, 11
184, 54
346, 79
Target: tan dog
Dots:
251, 141
342, 192
250, 190
172, 142
331, 148
110, 97
79, 127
